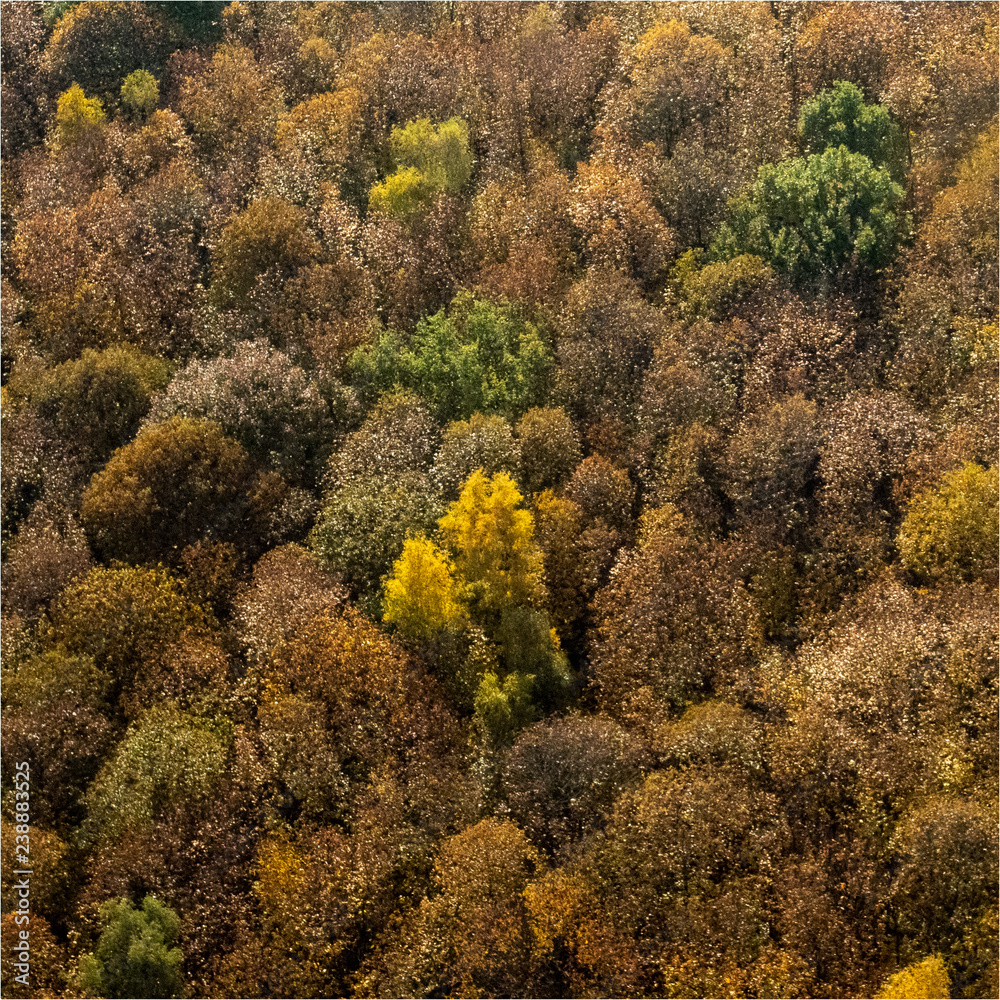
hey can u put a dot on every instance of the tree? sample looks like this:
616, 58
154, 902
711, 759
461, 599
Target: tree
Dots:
678, 80
363, 525
477, 356
57, 707
47, 553
562, 777
503, 707
670, 625
493, 543
868, 440
269, 234
167, 757
126, 618
577, 560
928, 978
399, 436
948, 875
96, 402
97, 44
288, 588
677, 871
813, 217
550, 448
723, 288
430, 159
231, 106
141, 93
620, 226
422, 597
523, 235
77, 116
471, 935
864, 44
606, 336
77, 261
175, 483
603, 492
477, 443
23, 82
949, 288
771, 465
260, 398
951, 531
840, 117
136, 954
384, 714
322, 141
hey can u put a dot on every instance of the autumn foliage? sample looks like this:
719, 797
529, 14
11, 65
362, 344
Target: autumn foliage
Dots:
500, 499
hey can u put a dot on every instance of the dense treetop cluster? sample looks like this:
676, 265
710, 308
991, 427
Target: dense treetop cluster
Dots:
500, 499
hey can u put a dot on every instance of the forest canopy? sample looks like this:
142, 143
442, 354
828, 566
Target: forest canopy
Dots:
500, 499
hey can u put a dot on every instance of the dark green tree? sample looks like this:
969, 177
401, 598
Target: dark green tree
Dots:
811, 218
136, 955
840, 117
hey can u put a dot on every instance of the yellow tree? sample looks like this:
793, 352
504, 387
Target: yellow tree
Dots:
76, 114
493, 542
951, 531
422, 597
928, 978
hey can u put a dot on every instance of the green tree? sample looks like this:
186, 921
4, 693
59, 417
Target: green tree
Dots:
136, 955
951, 531
812, 217
440, 152
840, 117
719, 289
167, 757
504, 708
430, 159
141, 93
477, 356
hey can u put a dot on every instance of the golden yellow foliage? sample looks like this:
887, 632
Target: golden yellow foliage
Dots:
279, 872
927, 979
493, 541
75, 114
422, 597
